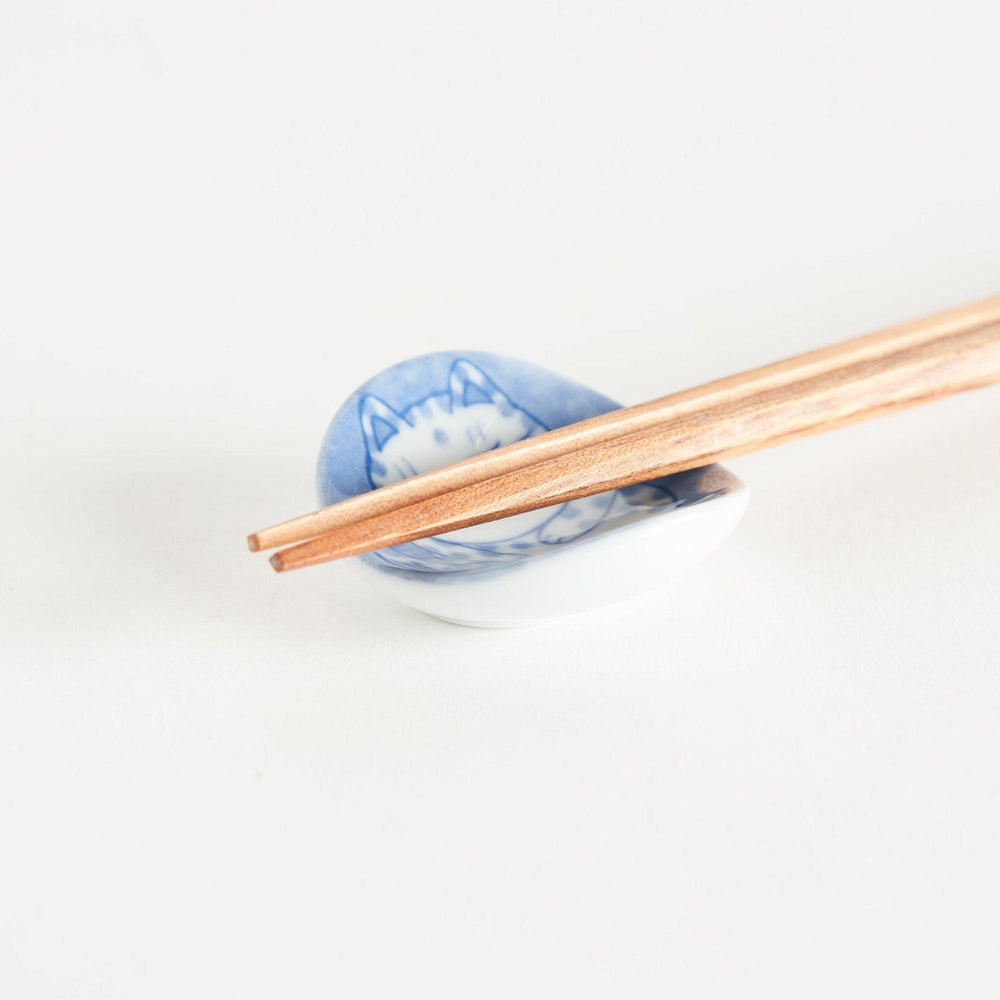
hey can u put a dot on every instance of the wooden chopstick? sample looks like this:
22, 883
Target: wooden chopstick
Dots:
865, 377
567, 440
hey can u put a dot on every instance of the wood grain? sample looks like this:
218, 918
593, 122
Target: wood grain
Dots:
619, 423
855, 380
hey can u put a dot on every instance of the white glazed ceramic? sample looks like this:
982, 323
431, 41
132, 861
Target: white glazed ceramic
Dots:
439, 408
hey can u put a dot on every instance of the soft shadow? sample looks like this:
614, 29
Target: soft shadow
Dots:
172, 522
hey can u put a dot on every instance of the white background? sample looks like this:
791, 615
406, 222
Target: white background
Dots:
215, 221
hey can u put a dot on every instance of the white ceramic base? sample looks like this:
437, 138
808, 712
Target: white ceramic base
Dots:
590, 573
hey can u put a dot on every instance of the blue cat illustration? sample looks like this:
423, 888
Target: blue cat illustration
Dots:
470, 416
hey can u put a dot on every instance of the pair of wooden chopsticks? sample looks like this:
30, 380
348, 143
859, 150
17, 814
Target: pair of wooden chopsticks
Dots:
860, 378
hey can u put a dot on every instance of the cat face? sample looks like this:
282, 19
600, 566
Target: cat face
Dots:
472, 416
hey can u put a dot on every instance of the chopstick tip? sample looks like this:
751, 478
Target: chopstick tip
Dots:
277, 562
253, 542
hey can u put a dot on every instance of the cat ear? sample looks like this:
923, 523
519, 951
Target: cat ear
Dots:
466, 382
379, 421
